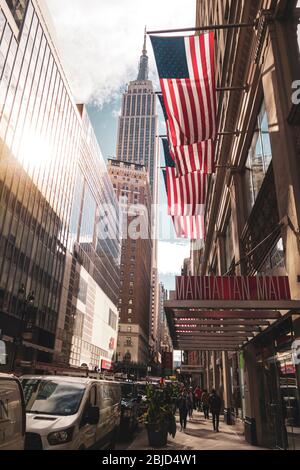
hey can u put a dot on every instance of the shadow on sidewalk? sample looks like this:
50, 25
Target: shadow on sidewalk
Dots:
202, 433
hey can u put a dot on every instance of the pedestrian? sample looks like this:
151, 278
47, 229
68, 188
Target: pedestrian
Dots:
183, 407
190, 402
198, 394
215, 404
205, 404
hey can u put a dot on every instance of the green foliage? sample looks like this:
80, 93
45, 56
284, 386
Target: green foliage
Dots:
160, 409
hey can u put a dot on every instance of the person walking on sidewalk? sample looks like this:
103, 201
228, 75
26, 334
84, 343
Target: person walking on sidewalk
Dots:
205, 403
191, 402
215, 404
198, 394
183, 407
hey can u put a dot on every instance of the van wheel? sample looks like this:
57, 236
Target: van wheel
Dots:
82, 448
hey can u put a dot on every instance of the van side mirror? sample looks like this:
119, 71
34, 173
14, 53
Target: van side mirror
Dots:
93, 415
2, 353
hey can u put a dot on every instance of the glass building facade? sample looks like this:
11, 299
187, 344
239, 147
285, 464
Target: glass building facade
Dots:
44, 138
95, 246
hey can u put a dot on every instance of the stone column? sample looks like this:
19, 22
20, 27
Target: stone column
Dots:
221, 254
277, 80
214, 371
253, 428
238, 218
227, 396
207, 370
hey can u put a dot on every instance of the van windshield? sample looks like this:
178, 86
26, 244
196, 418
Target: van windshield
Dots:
52, 397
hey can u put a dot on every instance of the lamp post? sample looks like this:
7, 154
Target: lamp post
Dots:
27, 301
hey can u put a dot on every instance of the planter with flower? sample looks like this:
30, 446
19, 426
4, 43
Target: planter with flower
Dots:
159, 417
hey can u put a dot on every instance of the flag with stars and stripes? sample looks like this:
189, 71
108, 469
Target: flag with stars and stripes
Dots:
187, 77
196, 157
190, 158
186, 194
190, 227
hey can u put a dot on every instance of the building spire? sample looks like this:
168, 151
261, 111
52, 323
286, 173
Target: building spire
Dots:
145, 42
143, 65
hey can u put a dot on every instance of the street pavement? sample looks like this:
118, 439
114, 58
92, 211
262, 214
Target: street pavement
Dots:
199, 435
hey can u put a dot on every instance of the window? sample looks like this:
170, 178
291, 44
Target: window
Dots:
127, 357
259, 158
128, 341
18, 10
129, 311
112, 319
82, 292
275, 262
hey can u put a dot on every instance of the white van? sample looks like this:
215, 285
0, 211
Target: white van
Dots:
12, 414
71, 413
12, 408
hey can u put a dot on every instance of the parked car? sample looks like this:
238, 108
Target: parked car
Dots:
12, 409
129, 407
142, 394
71, 412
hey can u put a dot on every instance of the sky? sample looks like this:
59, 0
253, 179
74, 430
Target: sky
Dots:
100, 42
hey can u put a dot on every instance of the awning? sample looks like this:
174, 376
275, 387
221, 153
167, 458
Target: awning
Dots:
214, 324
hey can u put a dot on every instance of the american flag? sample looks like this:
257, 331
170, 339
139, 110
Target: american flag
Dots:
186, 194
189, 110
196, 157
189, 158
187, 76
192, 227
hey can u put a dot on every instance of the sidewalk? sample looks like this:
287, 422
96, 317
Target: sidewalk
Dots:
199, 435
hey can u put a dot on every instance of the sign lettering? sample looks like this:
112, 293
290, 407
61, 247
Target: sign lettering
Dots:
232, 288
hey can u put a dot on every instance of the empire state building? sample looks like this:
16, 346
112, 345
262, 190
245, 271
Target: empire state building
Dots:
136, 142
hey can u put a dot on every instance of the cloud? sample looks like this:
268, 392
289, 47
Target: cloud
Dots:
171, 256
101, 40
116, 112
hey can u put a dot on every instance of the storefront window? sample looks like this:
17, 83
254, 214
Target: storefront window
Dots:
279, 399
259, 158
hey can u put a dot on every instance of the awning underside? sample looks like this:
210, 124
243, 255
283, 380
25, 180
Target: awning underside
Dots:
195, 329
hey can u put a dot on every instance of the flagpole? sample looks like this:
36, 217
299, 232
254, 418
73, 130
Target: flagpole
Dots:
207, 28
225, 88
237, 133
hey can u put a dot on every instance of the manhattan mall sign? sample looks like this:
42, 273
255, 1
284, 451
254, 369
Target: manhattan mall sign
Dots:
232, 288
214, 313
